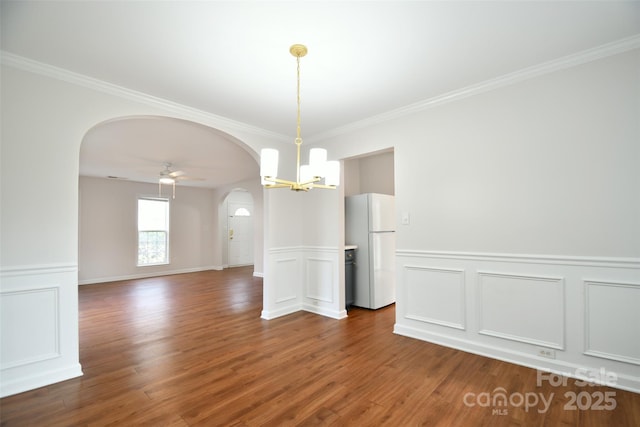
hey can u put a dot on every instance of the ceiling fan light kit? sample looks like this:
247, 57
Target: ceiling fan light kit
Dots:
168, 177
307, 176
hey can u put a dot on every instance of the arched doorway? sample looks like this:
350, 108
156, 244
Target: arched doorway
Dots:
122, 159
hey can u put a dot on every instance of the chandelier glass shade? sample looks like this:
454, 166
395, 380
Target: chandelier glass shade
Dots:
319, 173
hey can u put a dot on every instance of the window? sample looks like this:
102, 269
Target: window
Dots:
242, 212
153, 231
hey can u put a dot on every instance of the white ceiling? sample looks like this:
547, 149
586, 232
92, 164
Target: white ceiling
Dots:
232, 59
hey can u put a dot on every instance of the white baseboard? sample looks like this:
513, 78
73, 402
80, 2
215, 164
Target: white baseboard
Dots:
568, 369
9, 387
342, 314
146, 275
269, 315
510, 306
272, 314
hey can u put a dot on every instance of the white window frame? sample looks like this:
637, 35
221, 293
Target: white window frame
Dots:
164, 230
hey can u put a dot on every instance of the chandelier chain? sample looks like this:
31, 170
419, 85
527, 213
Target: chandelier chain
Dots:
298, 99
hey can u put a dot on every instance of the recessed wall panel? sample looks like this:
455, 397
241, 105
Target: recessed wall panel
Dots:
522, 308
37, 337
319, 280
612, 321
286, 279
435, 295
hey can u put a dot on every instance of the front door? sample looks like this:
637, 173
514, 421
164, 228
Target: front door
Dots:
240, 234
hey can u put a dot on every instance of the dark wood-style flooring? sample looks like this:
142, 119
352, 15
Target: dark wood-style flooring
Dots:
191, 349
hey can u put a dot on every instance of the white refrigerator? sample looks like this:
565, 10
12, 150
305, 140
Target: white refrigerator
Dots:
370, 224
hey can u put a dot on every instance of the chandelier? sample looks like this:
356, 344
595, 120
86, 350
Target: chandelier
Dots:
307, 176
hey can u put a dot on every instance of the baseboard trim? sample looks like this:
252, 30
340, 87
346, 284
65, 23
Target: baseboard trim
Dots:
8, 388
342, 314
146, 275
624, 382
273, 314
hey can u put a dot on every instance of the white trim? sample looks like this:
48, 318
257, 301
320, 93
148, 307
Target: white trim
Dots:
483, 331
286, 249
463, 302
62, 74
8, 388
611, 356
285, 299
632, 263
333, 279
55, 353
338, 315
283, 311
258, 274
609, 49
146, 275
587, 322
37, 269
240, 265
278, 291
435, 321
624, 382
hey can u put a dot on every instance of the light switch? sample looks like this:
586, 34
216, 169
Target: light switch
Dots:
405, 218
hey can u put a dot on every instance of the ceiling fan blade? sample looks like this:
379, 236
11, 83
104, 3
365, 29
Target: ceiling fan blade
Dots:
176, 174
188, 178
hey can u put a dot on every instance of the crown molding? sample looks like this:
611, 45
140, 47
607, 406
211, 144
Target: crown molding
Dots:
219, 122
589, 55
609, 49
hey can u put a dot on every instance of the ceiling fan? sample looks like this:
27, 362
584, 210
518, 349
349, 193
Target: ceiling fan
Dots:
168, 176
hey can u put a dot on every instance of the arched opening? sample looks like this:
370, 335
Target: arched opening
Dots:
123, 159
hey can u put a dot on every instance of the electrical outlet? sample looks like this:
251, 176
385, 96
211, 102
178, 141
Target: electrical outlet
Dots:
546, 352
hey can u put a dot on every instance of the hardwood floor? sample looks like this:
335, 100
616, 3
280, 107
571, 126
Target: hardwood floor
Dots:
191, 349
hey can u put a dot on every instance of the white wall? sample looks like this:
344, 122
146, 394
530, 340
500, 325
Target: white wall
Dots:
108, 230
524, 202
45, 115
545, 166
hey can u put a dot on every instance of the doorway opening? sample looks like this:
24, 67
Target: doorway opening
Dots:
239, 214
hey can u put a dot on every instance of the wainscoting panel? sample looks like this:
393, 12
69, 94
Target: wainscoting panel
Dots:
323, 287
319, 279
564, 314
44, 328
612, 321
435, 295
304, 278
287, 278
529, 309
39, 326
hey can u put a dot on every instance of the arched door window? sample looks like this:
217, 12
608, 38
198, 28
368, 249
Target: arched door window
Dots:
242, 212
